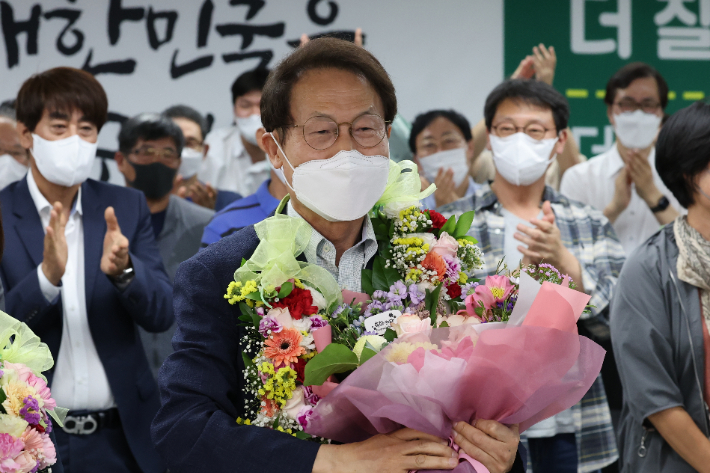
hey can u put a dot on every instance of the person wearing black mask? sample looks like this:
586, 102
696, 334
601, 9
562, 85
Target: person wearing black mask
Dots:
150, 146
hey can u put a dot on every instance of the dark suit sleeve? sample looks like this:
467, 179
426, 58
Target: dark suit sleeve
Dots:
25, 301
201, 391
148, 298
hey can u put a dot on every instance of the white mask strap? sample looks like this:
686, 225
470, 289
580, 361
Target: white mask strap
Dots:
286, 158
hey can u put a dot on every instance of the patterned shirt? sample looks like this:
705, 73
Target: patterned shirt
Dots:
589, 236
321, 251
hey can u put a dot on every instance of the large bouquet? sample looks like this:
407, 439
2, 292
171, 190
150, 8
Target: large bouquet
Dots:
26, 403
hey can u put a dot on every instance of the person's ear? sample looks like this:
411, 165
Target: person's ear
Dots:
470, 148
561, 140
25, 135
271, 149
488, 140
610, 115
205, 150
389, 131
259, 133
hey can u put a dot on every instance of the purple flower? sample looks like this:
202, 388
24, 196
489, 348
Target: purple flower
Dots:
379, 296
30, 404
468, 288
317, 321
375, 307
310, 397
453, 267
269, 324
339, 310
304, 416
397, 291
369, 332
415, 295
260, 311
359, 321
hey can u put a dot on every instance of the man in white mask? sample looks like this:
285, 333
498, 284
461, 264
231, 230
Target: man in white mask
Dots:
327, 109
234, 161
194, 129
442, 144
13, 157
623, 181
82, 270
520, 218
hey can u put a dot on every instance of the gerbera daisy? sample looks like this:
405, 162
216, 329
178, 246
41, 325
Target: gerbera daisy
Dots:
284, 347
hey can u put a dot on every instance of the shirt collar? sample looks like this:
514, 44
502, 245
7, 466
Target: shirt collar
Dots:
42, 204
485, 198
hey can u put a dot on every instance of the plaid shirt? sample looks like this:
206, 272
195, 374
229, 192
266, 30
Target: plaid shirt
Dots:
590, 237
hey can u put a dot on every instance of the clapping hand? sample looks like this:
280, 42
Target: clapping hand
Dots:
115, 258
541, 64
54, 261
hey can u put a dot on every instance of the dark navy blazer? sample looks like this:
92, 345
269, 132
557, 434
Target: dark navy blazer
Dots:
112, 314
201, 383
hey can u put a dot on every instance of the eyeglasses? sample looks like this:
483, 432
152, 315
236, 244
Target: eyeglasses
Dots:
19, 153
533, 130
148, 155
321, 132
630, 105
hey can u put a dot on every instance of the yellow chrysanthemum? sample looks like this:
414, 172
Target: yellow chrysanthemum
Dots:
16, 392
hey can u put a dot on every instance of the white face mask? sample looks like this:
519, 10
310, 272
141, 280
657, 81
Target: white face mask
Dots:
64, 162
342, 188
10, 170
248, 127
190, 162
454, 159
636, 129
520, 159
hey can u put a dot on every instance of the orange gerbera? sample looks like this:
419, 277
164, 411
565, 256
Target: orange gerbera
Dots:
434, 262
284, 347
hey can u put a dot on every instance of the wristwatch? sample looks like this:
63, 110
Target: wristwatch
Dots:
662, 205
124, 279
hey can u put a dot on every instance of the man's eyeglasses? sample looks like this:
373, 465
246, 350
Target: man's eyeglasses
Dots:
533, 130
630, 105
321, 132
148, 155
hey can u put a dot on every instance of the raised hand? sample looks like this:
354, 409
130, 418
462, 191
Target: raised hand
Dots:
54, 260
489, 442
545, 62
525, 70
445, 187
640, 172
622, 196
115, 258
203, 194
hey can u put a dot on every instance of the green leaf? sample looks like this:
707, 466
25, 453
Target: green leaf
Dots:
366, 281
255, 296
285, 290
390, 335
247, 361
275, 424
302, 435
464, 224
392, 276
443, 324
335, 358
3, 397
244, 261
245, 309
256, 320
379, 279
431, 301
366, 355
469, 239
450, 226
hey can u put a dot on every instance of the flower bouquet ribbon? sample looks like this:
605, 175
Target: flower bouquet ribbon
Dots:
404, 186
523, 371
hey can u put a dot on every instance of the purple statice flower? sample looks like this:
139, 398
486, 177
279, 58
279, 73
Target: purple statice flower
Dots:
339, 310
317, 321
398, 291
369, 332
469, 288
47, 421
499, 304
269, 324
30, 411
375, 307
415, 295
510, 306
310, 397
36, 468
380, 296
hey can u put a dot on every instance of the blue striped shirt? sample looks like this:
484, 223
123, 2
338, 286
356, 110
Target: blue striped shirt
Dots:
241, 213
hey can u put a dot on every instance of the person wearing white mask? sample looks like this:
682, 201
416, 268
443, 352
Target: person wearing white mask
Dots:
194, 129
327, 109
82, 270
234, 161
623, 181
442, 144
522, 219
14, 160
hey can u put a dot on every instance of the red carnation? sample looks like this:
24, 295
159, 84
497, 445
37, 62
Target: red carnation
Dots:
454, 290
300, 368
298, 303
437, 220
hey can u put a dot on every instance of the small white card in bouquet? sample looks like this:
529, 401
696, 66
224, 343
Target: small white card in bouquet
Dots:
381, 322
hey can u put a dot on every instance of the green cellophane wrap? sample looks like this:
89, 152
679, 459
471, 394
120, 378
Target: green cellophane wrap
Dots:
281, 240
404, 185
26, 348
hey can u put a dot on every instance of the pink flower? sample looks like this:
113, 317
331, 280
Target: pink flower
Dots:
282, 316
10, 448
447, 246
408, 323
496, 289
293, 406
500, 287
26, 462
50, 455
454, 320
25, 375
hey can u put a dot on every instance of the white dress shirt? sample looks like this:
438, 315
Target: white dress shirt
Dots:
228, 165
80, 380
593, 183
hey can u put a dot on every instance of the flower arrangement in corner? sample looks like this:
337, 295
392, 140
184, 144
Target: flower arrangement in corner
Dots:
26, 404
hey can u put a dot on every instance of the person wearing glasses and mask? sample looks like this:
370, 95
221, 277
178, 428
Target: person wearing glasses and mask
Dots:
660, 315
520, 218
82, 270
14, 160
442, 144
326, 110
149, 157
623, 181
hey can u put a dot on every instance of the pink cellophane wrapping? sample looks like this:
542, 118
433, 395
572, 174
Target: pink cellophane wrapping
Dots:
513, 374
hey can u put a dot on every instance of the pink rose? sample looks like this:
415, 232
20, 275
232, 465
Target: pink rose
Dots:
408, 323
294, 405
282, 316
447, 246
454, 320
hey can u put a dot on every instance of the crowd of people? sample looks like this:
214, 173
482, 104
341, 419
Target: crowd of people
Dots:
125, 284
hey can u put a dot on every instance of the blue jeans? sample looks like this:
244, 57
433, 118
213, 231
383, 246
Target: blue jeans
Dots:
556, 454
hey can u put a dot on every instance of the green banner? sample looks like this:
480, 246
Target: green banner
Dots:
594, 38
